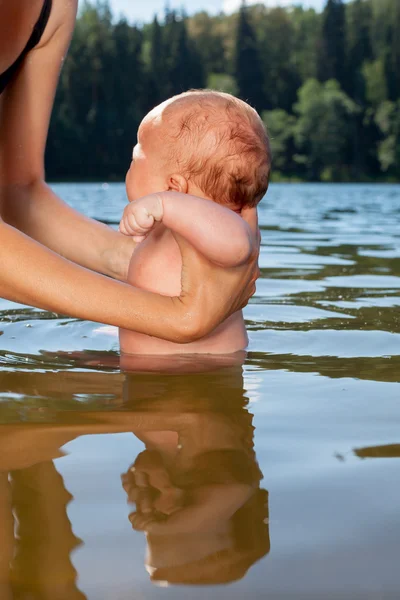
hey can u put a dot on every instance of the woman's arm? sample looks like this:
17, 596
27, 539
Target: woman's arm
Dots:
37, 211
33, 274
26, 202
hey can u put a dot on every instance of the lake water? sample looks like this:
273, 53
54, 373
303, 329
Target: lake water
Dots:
276, 478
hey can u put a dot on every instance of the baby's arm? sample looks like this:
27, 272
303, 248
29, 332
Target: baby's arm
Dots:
216, 231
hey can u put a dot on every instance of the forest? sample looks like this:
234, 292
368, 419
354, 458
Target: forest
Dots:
327, 85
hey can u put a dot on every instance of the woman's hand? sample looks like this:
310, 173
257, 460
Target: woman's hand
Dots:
211, 293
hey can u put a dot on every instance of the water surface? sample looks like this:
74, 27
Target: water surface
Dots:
273, 477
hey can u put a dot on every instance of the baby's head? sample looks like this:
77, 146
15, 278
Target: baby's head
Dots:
204, 143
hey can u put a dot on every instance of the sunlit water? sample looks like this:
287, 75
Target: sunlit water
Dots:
278, 478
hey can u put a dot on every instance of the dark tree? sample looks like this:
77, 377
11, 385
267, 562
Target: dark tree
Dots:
359, 19
184, 68
277, 47
392, 52
247, 68
99, 99
206, 33
358, 25
332, 44
156, 81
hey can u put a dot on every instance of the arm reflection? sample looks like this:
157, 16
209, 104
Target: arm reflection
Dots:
44, 539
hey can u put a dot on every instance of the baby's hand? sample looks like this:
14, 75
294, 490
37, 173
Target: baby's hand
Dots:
140, 216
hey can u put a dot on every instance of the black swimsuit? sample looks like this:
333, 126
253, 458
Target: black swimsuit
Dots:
34, 39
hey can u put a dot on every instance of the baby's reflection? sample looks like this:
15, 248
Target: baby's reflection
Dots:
196, 485
207, 525
198, 496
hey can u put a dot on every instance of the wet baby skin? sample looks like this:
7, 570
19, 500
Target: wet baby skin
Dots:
184, 209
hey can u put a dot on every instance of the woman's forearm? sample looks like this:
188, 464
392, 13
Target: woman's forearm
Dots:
37, 211
34, 275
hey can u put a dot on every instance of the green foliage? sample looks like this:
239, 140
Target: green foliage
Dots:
388, 121
207, 33
322, 132
281, 130
305, 38
375, 82
327, 84
277, 43
222, 82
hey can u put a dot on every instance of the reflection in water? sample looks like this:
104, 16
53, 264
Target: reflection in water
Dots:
44, 538
387, 451
196, 486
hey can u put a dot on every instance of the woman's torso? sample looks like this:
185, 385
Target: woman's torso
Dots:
22, 24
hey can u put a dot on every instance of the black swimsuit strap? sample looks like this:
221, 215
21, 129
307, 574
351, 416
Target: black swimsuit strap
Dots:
34, 39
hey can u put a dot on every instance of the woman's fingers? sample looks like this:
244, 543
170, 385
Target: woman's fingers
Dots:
141, 478
251, 217
141, 522
148, 485
151, 523
169, 500
144, 502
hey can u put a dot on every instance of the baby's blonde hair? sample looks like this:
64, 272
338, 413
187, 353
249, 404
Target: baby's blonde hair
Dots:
220, 144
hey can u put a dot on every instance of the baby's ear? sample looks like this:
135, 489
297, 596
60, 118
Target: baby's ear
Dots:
178, 183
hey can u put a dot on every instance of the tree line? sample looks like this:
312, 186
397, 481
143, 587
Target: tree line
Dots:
326, 84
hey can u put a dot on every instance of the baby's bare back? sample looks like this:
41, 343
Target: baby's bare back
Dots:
156, 266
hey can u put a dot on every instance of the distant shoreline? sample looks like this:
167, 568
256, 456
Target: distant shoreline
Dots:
278, 179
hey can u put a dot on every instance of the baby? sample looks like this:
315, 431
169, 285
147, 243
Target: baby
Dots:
215, 148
